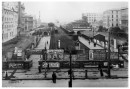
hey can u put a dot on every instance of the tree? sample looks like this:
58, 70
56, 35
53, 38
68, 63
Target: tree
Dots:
78, 32
116, 31
51, 24
100, 28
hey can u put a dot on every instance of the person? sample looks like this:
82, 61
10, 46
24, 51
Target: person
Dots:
100, 69
94, 44
48, 66
54, 77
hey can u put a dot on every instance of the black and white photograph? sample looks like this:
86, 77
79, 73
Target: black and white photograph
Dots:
69, 44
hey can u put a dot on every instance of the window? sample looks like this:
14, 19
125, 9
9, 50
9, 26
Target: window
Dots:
112, 24
117, 24
112, 16
117, 16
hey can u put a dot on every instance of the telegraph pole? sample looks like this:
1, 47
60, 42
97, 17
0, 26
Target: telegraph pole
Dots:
70, 82
45, 59
109, 59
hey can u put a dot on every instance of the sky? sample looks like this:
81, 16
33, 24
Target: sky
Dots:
65, 12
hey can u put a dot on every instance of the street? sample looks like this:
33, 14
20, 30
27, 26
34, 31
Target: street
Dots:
64, 83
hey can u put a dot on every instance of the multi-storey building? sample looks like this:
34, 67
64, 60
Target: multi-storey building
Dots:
9, 20
91, 17
20, 15
111, 18
28, 20
124, 19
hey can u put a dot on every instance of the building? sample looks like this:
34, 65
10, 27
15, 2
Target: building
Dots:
28, 23
9, 20
111, 18
21, 13
91, 17
124, 19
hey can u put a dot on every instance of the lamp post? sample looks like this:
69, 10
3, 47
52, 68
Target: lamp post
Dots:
109, 61
70, 82
45, 59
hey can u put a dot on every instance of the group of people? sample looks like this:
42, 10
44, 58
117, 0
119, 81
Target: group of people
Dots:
54, 77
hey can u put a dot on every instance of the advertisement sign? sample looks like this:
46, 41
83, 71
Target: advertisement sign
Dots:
55, 54
51, 65
99, 54
84, 55
16, 65
90, 64
114, 55
73, 57
36, 51
19, 53
74, 64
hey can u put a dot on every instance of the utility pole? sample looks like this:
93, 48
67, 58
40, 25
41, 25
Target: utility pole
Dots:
70, 82
45, 59
93, 31
109, 60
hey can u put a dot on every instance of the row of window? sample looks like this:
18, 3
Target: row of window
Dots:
8, 12
116, 16
116, 20
92, 15
114, 11
113, 24
91, 20
8, 26
8, 19
6, 35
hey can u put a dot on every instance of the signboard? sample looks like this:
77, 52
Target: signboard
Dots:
105, 64
73, 57
99, 54
74, 64
16, 65
90, 64
36, 51
55, 54
19, 52
84, 55
51, 64
114, 55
